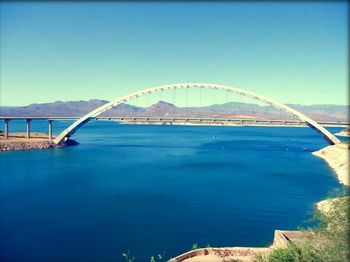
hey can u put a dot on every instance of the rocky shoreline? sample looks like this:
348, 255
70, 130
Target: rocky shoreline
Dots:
19, 141
20, 145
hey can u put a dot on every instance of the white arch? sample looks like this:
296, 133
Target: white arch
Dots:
61, 138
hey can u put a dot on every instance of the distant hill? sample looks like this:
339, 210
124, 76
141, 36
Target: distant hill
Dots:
231, 109
66, 109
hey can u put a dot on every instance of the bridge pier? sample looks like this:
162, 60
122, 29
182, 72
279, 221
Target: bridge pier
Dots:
6, 121
50, 129
28, 127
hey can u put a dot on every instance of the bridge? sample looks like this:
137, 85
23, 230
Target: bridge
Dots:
299, 118
168, 121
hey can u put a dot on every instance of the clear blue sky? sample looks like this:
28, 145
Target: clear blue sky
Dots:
292, 52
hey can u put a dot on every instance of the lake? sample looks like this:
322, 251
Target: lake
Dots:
151, 189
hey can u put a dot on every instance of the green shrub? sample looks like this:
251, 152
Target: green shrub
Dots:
195, 246
293, 253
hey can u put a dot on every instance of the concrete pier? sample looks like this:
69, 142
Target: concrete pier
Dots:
50, 129
28, 127
6, 121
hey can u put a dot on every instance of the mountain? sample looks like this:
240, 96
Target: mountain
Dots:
70, 108
163, 109
58, 108
319, 112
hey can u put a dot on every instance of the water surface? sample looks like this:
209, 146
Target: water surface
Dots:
157, 188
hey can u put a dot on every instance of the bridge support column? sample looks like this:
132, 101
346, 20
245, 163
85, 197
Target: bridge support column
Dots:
28, 127
6, 121
50, 129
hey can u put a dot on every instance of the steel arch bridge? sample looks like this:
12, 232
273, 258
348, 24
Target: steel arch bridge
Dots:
64, 135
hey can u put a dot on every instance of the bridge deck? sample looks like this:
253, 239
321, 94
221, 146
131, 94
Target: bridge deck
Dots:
130, 119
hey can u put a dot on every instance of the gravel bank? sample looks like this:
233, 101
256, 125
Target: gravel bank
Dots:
20, 145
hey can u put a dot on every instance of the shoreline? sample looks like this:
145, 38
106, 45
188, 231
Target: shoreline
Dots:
337, 157
218, 123
343, 133
19, 141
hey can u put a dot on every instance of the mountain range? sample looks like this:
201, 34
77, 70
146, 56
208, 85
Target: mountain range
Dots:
161, 108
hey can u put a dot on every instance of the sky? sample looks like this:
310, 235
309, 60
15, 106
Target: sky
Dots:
290, 52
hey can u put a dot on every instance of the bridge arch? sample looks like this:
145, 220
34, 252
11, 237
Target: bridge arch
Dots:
64, 135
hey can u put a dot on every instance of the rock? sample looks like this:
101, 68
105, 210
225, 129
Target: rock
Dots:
15, 145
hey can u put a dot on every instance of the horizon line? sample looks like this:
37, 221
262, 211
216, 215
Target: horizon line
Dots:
100, 99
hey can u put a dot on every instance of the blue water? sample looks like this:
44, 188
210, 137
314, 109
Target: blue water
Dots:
157, 188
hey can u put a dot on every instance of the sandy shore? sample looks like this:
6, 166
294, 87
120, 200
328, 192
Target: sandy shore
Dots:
344, 133
337, 156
